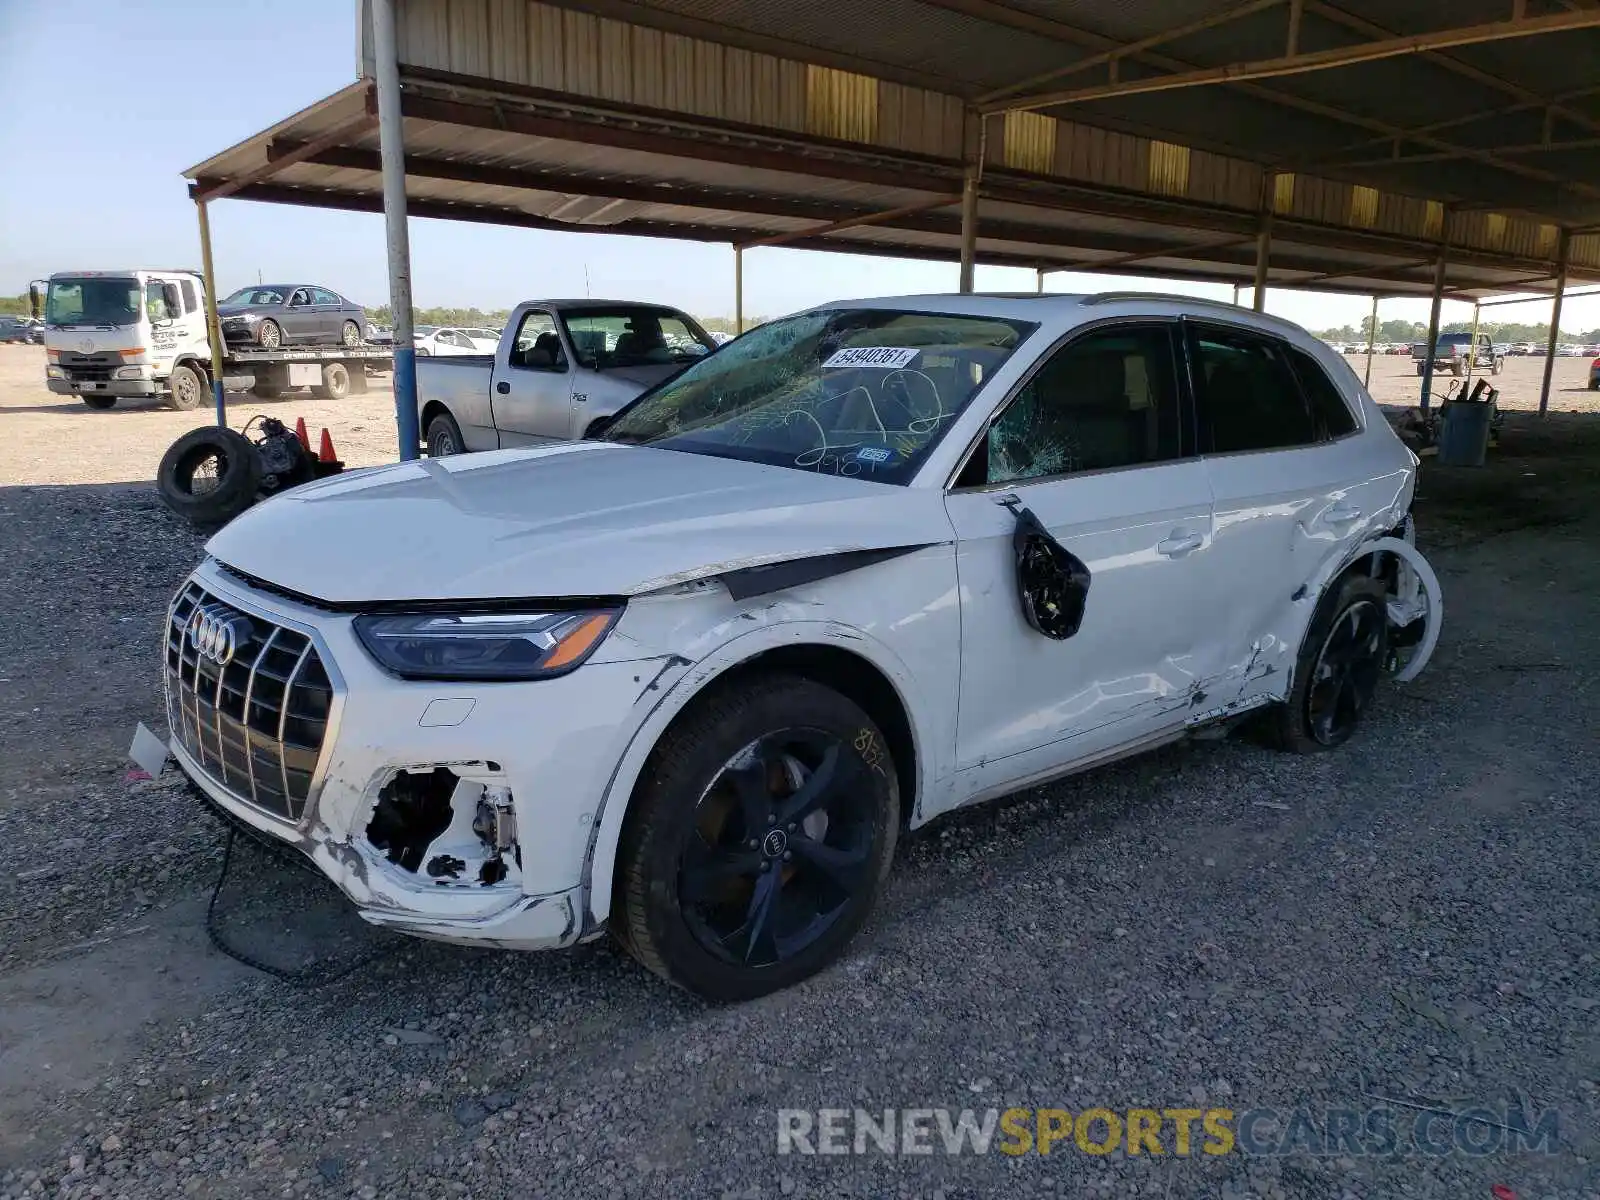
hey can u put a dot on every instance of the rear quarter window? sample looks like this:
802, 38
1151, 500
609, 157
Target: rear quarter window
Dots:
1328, 407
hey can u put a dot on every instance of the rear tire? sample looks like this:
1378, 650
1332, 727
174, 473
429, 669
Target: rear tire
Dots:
335, 383
444, 437
100, 402
209, 475
186, 388
772, 808
266, 391
1333, 691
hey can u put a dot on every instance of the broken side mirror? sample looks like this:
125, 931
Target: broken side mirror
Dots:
1052, 582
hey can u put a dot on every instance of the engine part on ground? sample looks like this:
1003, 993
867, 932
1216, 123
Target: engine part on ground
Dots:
211, 475
1052, 583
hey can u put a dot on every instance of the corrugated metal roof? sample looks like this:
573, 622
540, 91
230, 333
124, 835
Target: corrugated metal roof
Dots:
734, 119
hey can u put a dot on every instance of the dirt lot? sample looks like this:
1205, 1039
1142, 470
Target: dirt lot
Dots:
1415, 917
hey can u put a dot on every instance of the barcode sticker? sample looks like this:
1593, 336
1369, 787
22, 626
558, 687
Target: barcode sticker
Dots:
889, 358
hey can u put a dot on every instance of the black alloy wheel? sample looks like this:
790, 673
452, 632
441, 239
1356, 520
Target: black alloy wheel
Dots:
777, 849
1346, 672
759, 838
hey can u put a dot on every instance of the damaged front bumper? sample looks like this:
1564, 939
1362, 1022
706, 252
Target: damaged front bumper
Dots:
455, 812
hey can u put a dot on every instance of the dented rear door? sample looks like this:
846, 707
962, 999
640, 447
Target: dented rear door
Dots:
1293, 486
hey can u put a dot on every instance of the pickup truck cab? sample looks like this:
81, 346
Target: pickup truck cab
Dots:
561, 367
1452, 351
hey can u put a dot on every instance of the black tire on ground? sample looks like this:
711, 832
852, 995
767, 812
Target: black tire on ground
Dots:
444, 436
203, 454
1356, 605
335, 383
350, 335
266, 391
270, 335
186, 388
101, 402
684, 866
1499, 365
424, 353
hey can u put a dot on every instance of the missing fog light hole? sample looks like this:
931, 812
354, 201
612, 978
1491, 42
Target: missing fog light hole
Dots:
454, 829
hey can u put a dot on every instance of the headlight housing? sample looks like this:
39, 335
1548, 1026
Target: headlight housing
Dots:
54, 372
131, 373
486, 645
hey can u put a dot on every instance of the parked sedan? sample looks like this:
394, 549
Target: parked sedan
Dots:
295, 314
855, 570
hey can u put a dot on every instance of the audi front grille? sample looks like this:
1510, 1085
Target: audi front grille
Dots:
254, 723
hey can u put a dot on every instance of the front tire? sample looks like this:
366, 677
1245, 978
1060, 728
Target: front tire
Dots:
760, 837
270, 335
186, 390
100, 402
444, 436
1337, 673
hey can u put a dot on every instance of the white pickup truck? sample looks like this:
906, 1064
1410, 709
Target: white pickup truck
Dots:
561, 366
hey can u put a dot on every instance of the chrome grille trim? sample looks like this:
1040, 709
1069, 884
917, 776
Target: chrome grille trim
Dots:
258, 725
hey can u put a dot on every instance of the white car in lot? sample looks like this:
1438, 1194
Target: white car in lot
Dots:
447, 343
861, 567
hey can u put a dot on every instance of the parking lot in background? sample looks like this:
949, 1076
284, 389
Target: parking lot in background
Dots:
1216, 926
59, 439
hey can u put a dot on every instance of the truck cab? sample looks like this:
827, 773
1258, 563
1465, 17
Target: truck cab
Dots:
1460, 352
561, 369
115, 334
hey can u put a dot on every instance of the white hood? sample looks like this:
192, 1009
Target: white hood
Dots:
581, 519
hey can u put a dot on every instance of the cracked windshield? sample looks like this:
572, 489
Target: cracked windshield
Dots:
856, 392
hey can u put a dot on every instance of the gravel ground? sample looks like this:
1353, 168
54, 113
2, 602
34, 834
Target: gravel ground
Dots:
1415, 915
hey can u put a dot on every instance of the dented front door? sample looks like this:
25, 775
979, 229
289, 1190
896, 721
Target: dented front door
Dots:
1094, 446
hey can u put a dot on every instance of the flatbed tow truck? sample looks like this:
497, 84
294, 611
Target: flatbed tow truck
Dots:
141, 334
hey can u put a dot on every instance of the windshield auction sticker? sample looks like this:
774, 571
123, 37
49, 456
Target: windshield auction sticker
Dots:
890, 358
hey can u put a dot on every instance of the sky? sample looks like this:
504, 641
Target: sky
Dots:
110, 101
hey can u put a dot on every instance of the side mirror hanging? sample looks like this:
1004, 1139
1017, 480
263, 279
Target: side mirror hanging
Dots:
1052, 582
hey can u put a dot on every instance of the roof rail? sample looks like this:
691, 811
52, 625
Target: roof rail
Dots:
1113, 297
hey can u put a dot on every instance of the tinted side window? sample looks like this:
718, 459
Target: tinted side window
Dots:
1109, 399
1249, 398
1333, 416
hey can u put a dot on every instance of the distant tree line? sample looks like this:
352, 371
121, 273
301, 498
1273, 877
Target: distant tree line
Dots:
1417, 331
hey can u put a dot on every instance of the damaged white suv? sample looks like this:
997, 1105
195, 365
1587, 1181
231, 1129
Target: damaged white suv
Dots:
860, 567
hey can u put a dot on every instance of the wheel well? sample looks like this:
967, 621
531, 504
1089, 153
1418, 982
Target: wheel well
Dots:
851, 676
430, 410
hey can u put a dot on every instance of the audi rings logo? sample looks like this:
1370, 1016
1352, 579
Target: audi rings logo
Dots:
218, 633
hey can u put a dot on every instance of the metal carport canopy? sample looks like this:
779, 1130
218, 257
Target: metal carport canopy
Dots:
1360, 144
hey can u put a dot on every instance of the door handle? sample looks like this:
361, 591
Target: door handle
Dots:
502, 387
1180, 544
1341, 514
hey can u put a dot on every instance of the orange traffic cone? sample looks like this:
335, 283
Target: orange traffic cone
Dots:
300, 432
325, 451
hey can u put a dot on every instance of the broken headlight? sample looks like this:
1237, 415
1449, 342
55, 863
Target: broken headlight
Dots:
488, 646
